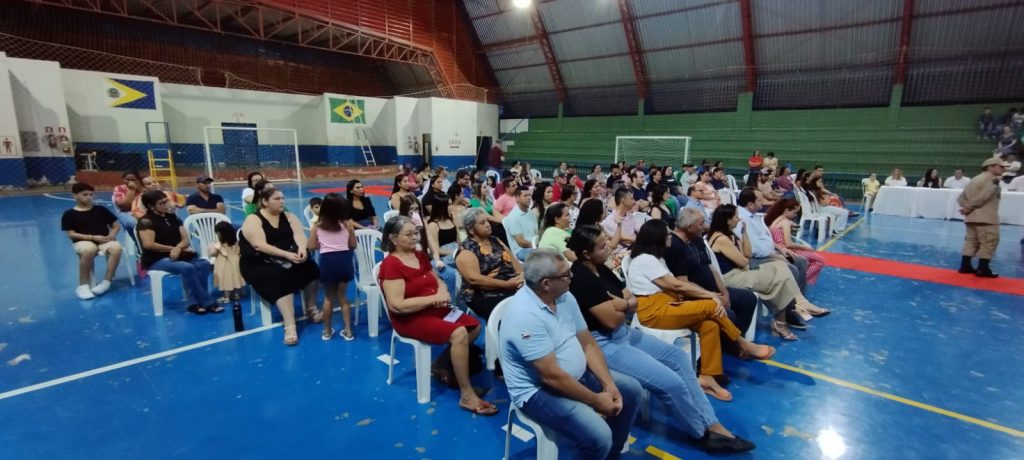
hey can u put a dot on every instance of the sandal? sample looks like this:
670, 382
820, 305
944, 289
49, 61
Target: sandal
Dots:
715, 391
314, 315
326, 335
780, 329
197, 309
747, 355
290, 337
485, 408
347, 335
214, 308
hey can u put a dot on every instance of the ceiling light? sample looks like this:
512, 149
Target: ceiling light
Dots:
522, 4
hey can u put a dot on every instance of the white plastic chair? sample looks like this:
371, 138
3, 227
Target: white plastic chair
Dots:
388, 215
421, 358
367, 243
547, 449
727, 196
201, 226
809, 214
494, 174
128, 256
668, 336
535, 174
156, 283
751, 331
732, 182
307, 212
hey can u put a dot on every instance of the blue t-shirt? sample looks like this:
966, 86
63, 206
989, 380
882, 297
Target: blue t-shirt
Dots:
197, 200
519, 222
529, 331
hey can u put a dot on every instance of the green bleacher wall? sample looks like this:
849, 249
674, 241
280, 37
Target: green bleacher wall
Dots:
850, 143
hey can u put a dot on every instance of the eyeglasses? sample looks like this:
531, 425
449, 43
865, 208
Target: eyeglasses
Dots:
567, 275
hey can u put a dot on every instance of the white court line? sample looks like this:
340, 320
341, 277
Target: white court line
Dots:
131, 362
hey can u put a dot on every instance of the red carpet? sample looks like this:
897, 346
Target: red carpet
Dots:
1002, 284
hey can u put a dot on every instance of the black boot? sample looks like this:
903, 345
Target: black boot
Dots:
984, 271
965, 265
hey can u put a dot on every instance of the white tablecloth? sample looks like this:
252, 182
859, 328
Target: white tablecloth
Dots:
941, 203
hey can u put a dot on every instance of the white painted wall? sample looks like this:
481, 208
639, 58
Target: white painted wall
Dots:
454, 127
407, 126
514, 125
487, 120
38, 94
94, 120
9, 137
379, 126
188, 109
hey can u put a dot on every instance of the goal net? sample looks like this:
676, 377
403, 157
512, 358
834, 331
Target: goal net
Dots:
232, 152
654, 150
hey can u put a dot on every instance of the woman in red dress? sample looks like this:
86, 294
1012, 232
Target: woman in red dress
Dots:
420, 306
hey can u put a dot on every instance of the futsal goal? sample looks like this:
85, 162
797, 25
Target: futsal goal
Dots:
232, 152
655, 150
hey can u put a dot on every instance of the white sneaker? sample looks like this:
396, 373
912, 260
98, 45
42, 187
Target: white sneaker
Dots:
101, 288
83, 292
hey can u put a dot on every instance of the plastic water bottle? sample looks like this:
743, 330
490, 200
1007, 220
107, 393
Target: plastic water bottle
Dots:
236, 313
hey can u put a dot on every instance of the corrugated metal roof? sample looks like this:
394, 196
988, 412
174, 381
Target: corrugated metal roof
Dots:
541, 104
569, 14
648, 7
477, 8
510, 25
774, 17
695, 63
850, 87
932, 6
840, 47
698, 26
594, 41
598, 72
516, 57
525, 80
967, 34
718, 94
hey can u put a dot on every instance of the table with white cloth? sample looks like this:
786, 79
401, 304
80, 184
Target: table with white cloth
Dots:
940, 203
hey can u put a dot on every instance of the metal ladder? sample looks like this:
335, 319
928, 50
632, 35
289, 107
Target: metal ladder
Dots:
160, 155
364, 146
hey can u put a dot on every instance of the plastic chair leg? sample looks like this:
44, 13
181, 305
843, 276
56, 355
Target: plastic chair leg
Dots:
645, 408
373, 312
391, 360
266, 314
490, 350
422, 352
156, 281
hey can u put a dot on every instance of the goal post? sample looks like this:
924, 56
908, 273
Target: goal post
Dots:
232, 152
655, 150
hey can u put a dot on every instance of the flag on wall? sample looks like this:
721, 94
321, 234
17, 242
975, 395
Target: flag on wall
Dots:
131, 94
348, 111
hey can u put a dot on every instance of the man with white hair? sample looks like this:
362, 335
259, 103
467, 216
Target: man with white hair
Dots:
555, 371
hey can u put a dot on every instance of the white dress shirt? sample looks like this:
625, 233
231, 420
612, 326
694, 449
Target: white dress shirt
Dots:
761, 243
953, 182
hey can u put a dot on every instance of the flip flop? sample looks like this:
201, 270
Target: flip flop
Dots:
724, 396
485, 409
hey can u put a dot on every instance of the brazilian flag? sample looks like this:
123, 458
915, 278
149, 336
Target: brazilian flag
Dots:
348, 111
131, 94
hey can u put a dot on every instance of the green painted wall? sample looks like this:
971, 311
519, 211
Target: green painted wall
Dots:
854, 141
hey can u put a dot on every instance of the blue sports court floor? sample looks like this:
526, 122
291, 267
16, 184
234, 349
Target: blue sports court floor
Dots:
902, 369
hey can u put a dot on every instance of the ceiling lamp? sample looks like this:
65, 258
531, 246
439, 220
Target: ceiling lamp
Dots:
522, 4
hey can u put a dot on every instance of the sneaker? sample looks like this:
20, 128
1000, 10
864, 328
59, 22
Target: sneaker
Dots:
83, 292
101, 288
347, 335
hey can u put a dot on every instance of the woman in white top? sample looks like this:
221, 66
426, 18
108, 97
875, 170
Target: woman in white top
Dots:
662, 304
896, 179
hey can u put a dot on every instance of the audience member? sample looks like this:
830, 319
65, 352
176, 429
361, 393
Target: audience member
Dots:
457, 204
593, 190
521, 224
334, 236
771, 280
871, 186
420, 307
622, 226
124, 195
660, 368
555, 371
662, 304
780, 221
166, 246
555, 230
203, 200
896, 179
687, 177
362, 212
314, 209
828, 205
957, 180
275, 260
596, 174
593, 212
616, 174
92, 230
495, 157
718, 180
695, 203
755, 163
705, 192
257, 188
765, 188
250, 192
636, 187
784, 180
506, 202
770, 162
462, 179
979, 204
1012, 168
490, 273
148, 184
410, 207
562, 168
442, 239
659, 205
763, 248
401, 188
226, 255
435, 188
1007, 142
986, 126
930, 179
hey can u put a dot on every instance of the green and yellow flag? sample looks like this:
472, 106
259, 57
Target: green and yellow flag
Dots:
348, 111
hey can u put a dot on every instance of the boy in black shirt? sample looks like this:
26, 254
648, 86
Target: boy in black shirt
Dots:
92, 229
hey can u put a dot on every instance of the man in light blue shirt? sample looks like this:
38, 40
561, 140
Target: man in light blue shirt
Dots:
762, 247
521, 224
694, 203
555, 372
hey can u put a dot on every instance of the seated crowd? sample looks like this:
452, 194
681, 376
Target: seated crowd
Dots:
586, 267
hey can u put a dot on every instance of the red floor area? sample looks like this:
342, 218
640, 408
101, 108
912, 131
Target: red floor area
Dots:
923, 273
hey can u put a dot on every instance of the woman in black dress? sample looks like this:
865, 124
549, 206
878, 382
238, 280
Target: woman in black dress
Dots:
275, 261
362, 212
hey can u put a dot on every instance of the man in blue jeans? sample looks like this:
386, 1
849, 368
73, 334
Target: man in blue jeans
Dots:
555, 371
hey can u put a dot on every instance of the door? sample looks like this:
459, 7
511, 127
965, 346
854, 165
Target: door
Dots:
428, 146
483, 152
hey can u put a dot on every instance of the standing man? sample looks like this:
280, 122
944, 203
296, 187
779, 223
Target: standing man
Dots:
555, 371
203, 200
495, 157
92, 230
979, 203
